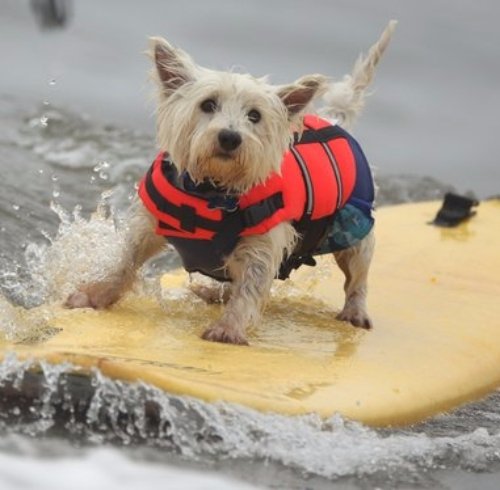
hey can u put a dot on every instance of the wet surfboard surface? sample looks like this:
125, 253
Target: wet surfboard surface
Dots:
434, 298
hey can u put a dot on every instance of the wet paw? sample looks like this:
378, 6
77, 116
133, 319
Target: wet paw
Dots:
78, 300
97, 296
219, 332
356, 318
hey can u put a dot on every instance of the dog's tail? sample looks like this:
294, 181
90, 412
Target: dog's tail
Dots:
345, 99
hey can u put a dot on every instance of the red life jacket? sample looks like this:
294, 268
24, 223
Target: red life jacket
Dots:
317, 178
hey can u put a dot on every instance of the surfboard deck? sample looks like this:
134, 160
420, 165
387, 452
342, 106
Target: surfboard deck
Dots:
434, 299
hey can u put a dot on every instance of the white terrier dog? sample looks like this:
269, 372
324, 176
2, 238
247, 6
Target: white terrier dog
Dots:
247, 187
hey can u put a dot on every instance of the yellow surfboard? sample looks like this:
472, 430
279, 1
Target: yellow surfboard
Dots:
434, 299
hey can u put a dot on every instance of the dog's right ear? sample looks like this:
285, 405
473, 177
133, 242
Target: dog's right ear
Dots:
298, 95
173, 66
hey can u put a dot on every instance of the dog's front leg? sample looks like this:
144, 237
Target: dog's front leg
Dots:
252, 267
141, 243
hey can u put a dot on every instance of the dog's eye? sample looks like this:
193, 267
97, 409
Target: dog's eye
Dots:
254, 116
208, 106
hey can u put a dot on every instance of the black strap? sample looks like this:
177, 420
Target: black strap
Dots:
236, 222
294, 262
257, 213
322, 135
311, 239
454, 210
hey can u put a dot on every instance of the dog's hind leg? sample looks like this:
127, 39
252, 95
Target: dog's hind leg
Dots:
355, 263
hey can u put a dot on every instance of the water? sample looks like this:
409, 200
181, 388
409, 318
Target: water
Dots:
74, 126
291, 452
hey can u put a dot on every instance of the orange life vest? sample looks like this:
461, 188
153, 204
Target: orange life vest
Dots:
317, 178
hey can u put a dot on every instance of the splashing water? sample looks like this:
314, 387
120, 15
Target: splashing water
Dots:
102, 169
83, 250
11, 323
111, 411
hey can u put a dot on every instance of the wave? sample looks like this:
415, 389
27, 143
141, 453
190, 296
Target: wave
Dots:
99, 410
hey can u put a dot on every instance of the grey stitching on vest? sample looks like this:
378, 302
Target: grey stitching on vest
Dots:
336, 171
307, 179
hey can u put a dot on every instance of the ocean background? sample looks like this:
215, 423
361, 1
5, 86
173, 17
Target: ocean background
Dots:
76, 120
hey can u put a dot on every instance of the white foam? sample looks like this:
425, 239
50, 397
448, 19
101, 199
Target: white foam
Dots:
101, 468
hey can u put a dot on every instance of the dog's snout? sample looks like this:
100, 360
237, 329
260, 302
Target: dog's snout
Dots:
229, 140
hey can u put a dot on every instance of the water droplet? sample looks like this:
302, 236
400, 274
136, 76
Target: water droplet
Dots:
16, 207
106, 194
44, 121
56, 190
92, 179
40, 171
52, 82
101, 165
101, 168
46, 103
16, 411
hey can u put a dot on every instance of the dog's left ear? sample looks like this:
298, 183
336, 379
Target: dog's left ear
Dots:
173, 66
299, 94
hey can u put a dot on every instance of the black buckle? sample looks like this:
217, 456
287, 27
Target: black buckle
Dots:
256, 213
454, 210
229, 204
294, 262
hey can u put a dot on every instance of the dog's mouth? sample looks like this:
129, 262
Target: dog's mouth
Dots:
224, 155
222, 167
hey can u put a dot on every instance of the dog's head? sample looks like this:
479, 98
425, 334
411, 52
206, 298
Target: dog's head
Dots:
229, 128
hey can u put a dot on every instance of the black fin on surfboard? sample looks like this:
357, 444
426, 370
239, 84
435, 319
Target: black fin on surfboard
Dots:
454, 210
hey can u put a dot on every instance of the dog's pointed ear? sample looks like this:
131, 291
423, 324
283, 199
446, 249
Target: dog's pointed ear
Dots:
173, 66
298, 95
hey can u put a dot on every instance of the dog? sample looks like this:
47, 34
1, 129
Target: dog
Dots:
231, 185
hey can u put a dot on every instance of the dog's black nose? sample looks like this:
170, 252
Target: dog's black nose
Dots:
229, 140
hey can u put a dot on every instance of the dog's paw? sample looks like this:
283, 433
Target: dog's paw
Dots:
220, 332
355, 317
97, 296
79, 299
